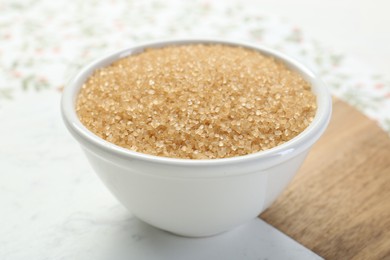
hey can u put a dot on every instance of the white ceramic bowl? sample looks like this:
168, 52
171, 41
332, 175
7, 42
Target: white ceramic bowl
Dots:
196, 197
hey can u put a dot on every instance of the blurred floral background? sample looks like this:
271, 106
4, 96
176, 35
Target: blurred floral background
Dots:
43, 43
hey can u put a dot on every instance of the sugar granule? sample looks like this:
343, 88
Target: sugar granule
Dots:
196, 102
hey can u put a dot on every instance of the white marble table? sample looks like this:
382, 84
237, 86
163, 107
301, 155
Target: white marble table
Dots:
54, 207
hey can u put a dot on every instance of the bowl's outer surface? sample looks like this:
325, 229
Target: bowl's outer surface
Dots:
194, 206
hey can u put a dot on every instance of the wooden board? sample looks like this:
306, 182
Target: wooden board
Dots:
338, 205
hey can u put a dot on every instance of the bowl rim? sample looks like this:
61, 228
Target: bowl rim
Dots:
287, 150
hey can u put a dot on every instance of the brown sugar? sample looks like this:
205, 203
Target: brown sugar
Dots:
196, 101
